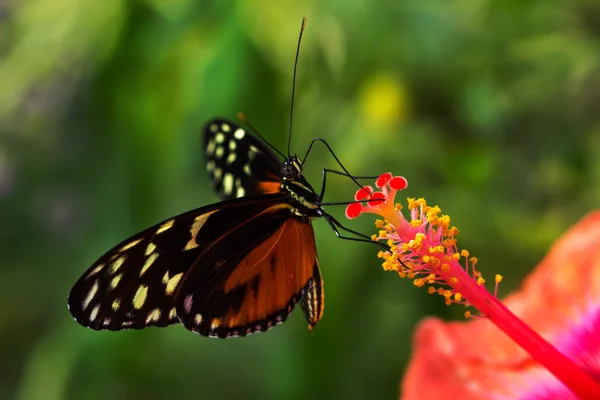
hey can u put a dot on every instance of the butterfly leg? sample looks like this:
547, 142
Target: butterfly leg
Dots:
333, 171
335, 224
315, 140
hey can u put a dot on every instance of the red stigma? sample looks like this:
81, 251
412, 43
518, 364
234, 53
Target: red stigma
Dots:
353, 210
383, 179
376, 199
398, 183
363, 193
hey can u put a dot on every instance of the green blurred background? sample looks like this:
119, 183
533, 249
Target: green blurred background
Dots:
489, 108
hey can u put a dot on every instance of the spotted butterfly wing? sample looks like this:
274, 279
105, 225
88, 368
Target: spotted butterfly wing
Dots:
240, 165
237, 163
227, 269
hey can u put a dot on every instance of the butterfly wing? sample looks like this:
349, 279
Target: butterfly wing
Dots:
133, 285
237, 163
251, 278
313, 302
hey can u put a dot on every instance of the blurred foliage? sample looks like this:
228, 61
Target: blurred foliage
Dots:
490, 109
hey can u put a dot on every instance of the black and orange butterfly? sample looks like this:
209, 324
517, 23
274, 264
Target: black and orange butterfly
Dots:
226, 269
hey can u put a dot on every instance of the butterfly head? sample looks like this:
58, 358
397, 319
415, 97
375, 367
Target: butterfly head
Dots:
291, 168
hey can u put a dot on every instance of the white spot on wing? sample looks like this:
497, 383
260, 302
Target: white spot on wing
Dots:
140, 297
232, 145
239, 134
90, 296
187, 303
153, 316
114, 267
225, 127
220, 151
95, 271
129, 245
198, 319
230, 158
172, 284
213, 128
228, 183
150, 248
218, 174
165, 226
94, 312
219, 138
149, 261
115, 281
240, 192
210, 147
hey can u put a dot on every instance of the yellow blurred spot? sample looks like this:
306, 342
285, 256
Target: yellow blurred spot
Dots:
383, 100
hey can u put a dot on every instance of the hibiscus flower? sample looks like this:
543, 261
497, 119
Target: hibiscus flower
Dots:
542, 342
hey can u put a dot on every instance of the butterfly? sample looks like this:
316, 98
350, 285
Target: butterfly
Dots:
227, 269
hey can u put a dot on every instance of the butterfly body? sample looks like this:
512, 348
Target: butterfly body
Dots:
227, 269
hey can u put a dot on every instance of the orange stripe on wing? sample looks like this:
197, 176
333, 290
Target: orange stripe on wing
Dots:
274, 273
268, 186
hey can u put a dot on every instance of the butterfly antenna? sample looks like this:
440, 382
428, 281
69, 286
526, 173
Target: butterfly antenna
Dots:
242, 118
294, 83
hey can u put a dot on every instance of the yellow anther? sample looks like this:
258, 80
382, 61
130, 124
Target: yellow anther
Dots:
418, 282
431, 278
453, 231
480, 281
434, 262
443, 221
410, 274
415, 223
445, 267
374, 238
453, 280
436, 249
456, 256
398, 207
426, 259
467, 314
380, 254
498, 278
447, 294
450, 242
431, 290
464, 253
473, 260
390, 242
379, 223
382, 233
448, 302
457, 297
